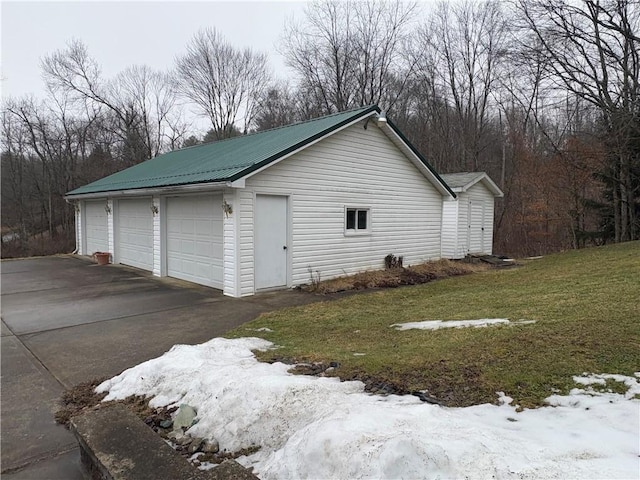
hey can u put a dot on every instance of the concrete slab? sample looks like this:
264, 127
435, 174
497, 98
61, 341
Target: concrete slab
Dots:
82, 353
61, 272
4, 329
29, 399
65, 466
116, 444
57, 309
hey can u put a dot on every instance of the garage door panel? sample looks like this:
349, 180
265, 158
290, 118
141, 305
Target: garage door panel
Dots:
134, 245
194, 239
204, 228
95, 226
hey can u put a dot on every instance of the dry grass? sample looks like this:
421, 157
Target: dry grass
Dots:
82, 398
78, 399
396, 277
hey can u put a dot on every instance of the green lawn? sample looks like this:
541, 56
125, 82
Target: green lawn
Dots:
586, 305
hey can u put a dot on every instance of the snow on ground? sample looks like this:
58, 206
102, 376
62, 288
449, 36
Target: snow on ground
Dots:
316, 427
438, 324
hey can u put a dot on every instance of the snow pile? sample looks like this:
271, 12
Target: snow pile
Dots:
438, 324
314, 427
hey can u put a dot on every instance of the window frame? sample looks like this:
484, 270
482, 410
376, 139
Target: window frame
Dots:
357, 231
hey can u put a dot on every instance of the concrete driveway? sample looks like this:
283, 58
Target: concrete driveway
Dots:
66, 320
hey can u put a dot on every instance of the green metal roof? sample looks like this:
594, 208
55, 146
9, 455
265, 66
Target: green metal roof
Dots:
226, 160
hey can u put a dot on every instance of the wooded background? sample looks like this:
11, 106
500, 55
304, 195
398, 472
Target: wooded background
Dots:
543, 95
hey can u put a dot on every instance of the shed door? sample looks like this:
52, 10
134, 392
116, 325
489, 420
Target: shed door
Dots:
271, 241
134, 240
95, 227
194, 239
476, 226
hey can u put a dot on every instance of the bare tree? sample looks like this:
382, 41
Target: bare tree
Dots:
140, 102
223, 82
460, 52
45, 147
278, 106
148, 97
592, 49
349, 54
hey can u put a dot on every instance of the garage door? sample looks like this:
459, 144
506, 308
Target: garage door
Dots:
134, 238
95, 227
194, 239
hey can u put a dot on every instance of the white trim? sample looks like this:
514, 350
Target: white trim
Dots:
357, 232
484, 178
163, 236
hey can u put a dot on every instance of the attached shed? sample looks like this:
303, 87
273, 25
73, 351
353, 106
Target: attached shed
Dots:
468, 220
328, 197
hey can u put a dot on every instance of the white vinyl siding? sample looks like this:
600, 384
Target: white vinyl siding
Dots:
134, 240
230, 256
157, 236
79, 227
110, 226
194, 234
96, 236
350, 168
244, 214
450, 246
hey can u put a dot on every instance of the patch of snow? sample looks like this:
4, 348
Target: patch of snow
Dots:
438, 324
319, 427
261, 329
504, 399
588, 379
207, 465
359, 354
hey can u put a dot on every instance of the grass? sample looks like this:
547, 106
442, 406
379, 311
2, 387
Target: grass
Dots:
586, 304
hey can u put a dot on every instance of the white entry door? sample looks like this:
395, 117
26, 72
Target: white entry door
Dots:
134, 241
96, 237
271, 235
476, 227
194, 239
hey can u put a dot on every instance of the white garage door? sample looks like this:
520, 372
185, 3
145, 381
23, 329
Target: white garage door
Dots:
95, 227
134, 240
194, 239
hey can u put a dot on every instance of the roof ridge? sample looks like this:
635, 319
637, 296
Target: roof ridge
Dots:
301, 122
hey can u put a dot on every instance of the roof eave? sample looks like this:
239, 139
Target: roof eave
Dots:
145, 192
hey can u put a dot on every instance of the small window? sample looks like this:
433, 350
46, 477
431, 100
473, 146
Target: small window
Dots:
357, 220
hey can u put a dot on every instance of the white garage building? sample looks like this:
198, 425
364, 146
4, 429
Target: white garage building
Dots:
333, 195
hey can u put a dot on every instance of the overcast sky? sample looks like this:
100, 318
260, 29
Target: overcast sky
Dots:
121, 33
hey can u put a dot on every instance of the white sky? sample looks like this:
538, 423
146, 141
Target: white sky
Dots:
118, 33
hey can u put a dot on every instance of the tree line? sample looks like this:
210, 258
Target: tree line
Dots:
541, 94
